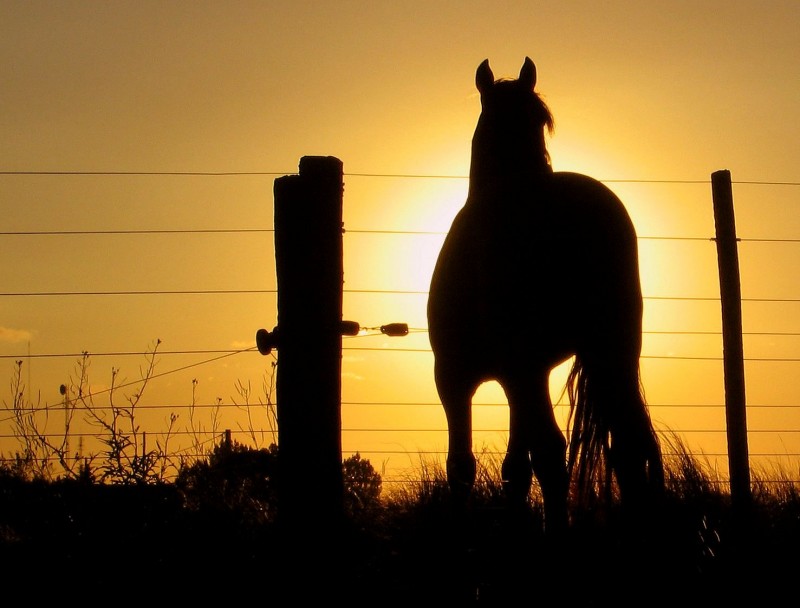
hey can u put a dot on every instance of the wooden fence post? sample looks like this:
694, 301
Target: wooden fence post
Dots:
733, 351
308, 254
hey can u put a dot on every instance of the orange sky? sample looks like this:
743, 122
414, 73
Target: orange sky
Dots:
652, 92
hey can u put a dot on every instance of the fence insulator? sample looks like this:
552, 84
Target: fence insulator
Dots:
350, 328
266, 341
395, 329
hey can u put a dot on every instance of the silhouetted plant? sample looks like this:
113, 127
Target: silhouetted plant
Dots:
197, 431
235, 477
243, 401
362, 485
225, 504
125, 458
686, 474
29, 422
427, 485
266, 404
21, 466
488, 478
241, 478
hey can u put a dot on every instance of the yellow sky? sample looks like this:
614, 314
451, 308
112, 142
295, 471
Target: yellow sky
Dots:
664, 92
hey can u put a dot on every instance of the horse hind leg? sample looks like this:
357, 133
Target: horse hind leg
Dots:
516, 469
461, 472
636, 455
537, 446
548, 458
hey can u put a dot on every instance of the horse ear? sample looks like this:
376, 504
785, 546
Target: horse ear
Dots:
527, 74
484, 78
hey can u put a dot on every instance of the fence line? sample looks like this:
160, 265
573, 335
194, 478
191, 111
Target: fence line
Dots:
395, 351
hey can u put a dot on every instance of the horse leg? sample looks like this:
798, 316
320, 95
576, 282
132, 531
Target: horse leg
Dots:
456, 397
536, 432
635, 459
516, 469
635, 456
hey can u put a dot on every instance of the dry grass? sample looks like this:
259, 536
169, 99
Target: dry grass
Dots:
695, 549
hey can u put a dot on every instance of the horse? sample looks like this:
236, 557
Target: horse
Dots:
537, 267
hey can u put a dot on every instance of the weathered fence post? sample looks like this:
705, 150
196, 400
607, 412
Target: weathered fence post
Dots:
308, 254
733, 351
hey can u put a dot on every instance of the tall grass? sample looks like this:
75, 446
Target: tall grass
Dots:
411, 545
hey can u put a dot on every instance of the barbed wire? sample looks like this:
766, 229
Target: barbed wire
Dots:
411, 292
373, 332
219, 354
408, 404
486, 452
443, 431
358, 174
237, 231
378, 349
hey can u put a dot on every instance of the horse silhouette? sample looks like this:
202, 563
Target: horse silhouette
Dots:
538, 267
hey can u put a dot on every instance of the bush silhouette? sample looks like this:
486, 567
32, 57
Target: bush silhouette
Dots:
235, 477
243, 479
362, 485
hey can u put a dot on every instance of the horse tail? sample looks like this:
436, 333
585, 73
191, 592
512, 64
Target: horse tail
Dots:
589, 436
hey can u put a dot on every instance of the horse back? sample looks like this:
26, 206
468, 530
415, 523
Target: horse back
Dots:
552, 263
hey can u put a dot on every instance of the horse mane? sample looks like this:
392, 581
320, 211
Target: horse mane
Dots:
543, 111
547, 121
539, 110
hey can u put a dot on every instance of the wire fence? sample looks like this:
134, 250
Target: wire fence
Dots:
215, 380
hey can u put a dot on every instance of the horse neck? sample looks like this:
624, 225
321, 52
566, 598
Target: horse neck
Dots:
491, 177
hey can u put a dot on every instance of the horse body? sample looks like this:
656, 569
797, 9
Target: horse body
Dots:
537, 267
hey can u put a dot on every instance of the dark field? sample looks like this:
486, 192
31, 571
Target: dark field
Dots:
153, 543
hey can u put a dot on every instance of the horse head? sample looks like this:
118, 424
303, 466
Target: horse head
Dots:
484, 78
509, 141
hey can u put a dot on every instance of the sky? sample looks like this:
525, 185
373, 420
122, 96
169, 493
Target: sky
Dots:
141, 141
